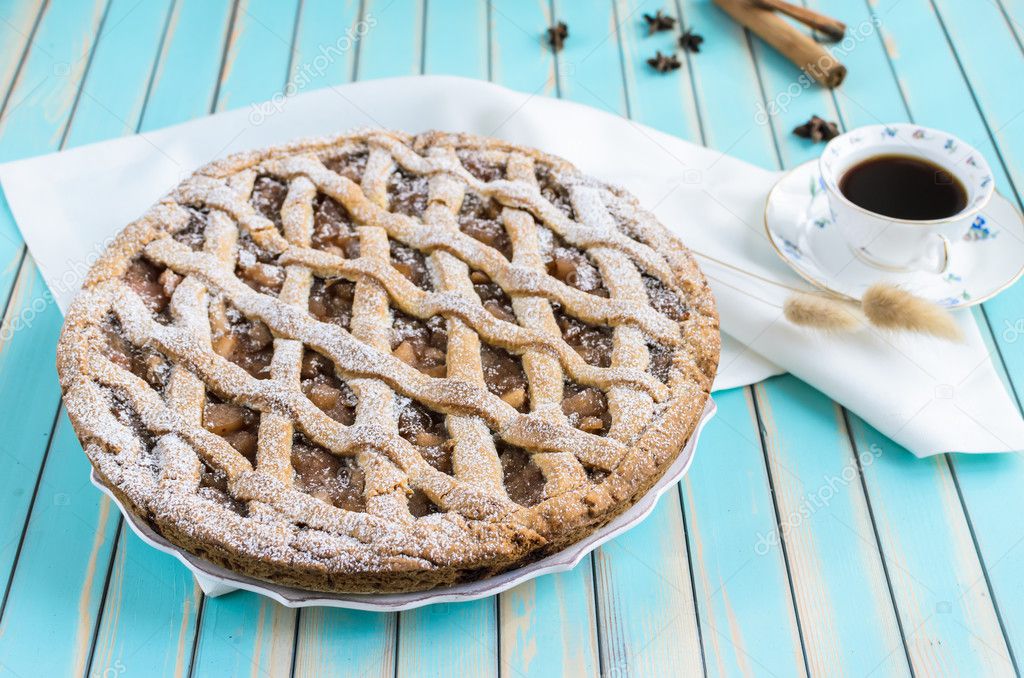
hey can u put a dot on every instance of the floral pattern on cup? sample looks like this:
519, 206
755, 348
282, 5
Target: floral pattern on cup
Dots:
979, 230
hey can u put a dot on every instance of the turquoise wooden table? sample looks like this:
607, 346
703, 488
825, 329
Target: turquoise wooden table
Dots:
801, 542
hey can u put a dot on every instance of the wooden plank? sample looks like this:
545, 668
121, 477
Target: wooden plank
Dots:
590, 64
664, 101
120, 68
646, 616
45, 80
258, 57
244, 634
114, 91
726, 83
29, 330
990, 489
955, 107
988, 71
451, 639
839, 582
456, 42
748, 625
149, 613
57, 587
520, 58
547, 626
17, 23
956, 630
43, 95
333, 641
83, 551
324, 55
394, 46
997, 536
185, 82
1014, 10
789, 101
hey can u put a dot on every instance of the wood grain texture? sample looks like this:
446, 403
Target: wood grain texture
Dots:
394, 46
966, 104
748, 623
838, 579
520, 58
949, 623
464, 52
345, 642
149, 613
979, 479
245, 635
29, 330
258, 55
50, 613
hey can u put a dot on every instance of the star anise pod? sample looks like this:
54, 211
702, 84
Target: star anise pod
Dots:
663, 63
557, 35
690, 41
659, 22
816, 129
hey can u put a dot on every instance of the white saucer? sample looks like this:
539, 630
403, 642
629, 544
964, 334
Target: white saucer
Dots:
800, 226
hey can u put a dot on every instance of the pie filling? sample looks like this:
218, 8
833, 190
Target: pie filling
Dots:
426, 430
479, 219
330, 301
335, 480
333, 230
408, 193
422, 344
570, 264
524, 481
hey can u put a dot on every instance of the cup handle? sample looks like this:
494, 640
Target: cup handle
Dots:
935, 263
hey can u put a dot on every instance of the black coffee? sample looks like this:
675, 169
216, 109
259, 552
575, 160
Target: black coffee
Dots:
904, 187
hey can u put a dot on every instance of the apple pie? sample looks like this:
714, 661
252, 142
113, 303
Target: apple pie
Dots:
383, 362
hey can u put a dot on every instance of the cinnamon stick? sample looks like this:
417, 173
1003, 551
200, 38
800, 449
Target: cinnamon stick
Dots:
796, 46
833, 28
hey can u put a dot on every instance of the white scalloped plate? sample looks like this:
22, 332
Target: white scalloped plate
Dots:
215, 580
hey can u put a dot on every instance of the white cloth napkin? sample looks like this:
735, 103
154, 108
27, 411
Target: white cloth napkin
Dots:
927, 395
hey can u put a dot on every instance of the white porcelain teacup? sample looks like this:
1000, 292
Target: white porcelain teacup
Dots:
901, 244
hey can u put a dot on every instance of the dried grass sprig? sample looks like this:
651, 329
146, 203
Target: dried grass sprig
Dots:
883, 306
892, 308
811, 309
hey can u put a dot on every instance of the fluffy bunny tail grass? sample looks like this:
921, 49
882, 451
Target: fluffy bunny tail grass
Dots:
893, 308
820, 312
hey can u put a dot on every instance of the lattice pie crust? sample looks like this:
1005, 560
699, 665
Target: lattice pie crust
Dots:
381, 362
